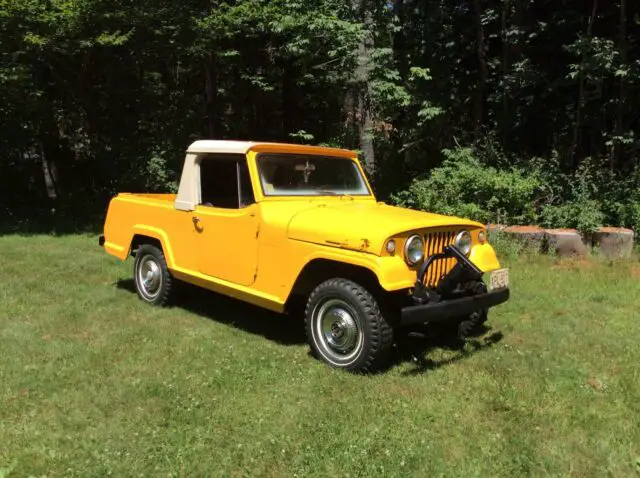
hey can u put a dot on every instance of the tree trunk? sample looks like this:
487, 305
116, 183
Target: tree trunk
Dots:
364, 110
50, 173
400, 47
365, 132
581, 90
620, 107
395, 168
481, 51
348, 109
288, 101
211, 92
505, 73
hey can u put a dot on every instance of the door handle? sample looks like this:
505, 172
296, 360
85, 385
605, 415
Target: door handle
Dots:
195, 220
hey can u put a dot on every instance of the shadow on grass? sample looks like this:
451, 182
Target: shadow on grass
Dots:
415, 346
279, 328
411, 345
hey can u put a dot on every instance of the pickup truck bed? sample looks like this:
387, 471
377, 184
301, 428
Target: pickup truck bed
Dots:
158, 197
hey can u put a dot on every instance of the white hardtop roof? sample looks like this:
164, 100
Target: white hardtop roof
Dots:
219, 146
232, 146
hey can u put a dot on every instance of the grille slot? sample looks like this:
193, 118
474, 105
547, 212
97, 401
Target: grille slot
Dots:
435, 243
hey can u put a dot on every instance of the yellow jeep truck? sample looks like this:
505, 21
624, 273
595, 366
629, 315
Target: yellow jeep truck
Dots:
282, 226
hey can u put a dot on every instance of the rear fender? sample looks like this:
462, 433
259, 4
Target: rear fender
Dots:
155, 233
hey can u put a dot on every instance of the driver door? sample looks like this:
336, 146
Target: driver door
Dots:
226, 220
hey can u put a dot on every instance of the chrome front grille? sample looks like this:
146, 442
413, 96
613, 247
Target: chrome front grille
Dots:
435, 243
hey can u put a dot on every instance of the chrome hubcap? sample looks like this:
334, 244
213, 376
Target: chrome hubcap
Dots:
338, 328
149, 276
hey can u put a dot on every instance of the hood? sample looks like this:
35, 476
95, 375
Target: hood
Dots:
363, 225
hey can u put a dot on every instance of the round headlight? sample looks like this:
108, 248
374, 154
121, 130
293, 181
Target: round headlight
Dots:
463, 242
414, 250
391, 246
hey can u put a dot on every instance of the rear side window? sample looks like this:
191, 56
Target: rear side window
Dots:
225, 181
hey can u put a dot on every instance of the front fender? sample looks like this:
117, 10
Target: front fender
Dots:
484, 257
392, 272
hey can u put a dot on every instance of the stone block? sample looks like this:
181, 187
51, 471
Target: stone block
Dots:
614, 242
565, 243
531, 236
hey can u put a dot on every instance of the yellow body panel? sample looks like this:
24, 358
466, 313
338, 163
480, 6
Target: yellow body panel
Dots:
256, 253
484, 257
234, 260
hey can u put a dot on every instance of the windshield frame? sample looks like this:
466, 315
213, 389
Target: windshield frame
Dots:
327, 156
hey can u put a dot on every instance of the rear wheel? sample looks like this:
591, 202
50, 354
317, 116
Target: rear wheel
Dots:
345, 326
154, 283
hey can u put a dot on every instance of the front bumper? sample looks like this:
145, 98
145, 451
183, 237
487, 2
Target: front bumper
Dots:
451, 299
452, 309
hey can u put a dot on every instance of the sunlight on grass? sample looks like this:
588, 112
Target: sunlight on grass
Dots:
95, 382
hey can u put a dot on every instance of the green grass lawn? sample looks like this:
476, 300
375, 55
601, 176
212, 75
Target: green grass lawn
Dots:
94, 382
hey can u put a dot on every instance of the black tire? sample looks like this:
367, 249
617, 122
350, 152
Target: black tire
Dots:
347, 309
154, 282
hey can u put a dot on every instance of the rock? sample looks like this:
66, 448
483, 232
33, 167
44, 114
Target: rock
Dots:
565, 242
614, 242
531, 236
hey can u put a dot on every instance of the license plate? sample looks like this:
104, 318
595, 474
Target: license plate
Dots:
499, 279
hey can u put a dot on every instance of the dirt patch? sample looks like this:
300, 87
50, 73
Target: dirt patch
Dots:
406, 392
635, 272
596, 384
82, 336
573, 264
526, 317
517, 340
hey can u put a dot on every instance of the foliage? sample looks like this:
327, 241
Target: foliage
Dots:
157, 176
465, 187
100, 97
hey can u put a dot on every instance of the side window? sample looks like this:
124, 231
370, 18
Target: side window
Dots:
244, 184
225, 181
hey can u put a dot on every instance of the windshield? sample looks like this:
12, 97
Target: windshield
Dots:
284, 174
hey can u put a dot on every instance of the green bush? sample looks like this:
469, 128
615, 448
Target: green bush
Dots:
584, 215
463, 186
593, 196
574, 202
534, 191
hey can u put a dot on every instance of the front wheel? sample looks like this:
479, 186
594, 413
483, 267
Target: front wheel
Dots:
345, 327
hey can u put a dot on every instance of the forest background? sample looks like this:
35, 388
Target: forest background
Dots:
510, 111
